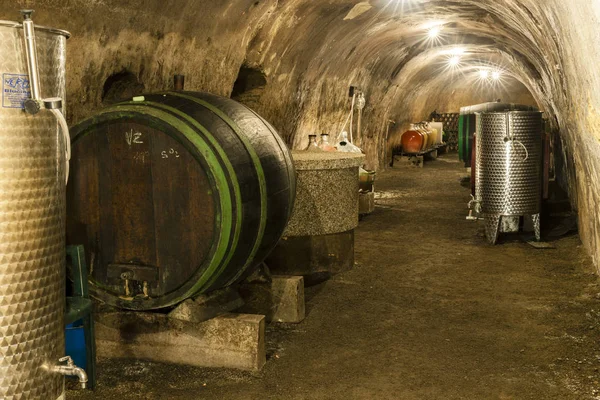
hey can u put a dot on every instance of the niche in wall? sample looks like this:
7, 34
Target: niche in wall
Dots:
121, 86
249, 85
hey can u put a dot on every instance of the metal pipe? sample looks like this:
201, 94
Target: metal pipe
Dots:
30, 49
178, 82
34, 105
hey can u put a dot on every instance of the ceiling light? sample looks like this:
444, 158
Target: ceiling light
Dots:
434, 32
484, 74
496, 75
454, 61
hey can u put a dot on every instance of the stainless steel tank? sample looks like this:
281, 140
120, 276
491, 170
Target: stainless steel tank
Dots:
478, 109
32, 220
508, 167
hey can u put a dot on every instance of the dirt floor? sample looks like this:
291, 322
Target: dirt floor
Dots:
429, 312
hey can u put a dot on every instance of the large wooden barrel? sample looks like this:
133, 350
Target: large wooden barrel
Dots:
176, 195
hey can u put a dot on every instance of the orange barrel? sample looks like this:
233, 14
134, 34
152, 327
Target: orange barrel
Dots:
413, 140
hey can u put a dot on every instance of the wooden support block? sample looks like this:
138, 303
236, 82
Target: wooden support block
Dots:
205, 307
288, 299
366, 203
416, 161
281, 300
432, 155
228, 341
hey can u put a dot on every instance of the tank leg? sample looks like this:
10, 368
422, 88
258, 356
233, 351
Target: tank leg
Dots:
535, 218
492, 226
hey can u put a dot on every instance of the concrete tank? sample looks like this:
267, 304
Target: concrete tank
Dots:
319, 239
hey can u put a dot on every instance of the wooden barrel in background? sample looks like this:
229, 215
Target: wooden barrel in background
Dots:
176, 195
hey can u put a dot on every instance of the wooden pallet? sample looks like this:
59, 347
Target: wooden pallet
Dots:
418, 159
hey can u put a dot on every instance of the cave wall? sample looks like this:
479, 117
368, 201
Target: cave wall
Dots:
153, 40
310, 52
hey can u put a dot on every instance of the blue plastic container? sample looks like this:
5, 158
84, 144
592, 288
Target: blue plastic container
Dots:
75, 343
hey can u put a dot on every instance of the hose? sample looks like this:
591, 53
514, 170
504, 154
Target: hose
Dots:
524, 148
512, 140
352, 116
64, 128
344, 126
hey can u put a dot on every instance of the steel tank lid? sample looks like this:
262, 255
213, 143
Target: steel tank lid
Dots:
495, 106
13, 24
510, 112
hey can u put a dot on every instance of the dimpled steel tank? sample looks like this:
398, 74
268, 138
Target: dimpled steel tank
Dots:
509, 152
32, 220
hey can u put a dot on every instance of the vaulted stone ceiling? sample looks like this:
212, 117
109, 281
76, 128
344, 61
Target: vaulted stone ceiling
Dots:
310, 51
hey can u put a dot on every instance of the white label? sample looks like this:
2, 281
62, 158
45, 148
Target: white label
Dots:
15, 90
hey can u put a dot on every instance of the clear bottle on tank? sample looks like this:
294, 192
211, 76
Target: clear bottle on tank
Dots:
344, 145
324, 143
313, 146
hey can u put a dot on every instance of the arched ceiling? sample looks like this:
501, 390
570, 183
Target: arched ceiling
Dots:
382, 46
310, 52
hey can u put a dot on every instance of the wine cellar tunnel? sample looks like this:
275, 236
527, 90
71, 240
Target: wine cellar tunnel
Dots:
211, 161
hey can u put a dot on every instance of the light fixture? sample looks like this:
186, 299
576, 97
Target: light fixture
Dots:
434, 32
496, 75
484, 74
454, 61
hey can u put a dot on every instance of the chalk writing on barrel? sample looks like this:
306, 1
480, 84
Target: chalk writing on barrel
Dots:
133, 137
169, 153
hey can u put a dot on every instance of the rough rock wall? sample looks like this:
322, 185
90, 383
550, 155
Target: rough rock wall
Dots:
311, 51
575, 26
205, 41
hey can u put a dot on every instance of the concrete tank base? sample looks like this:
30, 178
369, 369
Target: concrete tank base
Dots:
316, 258
319, 239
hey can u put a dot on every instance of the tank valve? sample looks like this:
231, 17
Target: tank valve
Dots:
70, 369
473, 204
471, 217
